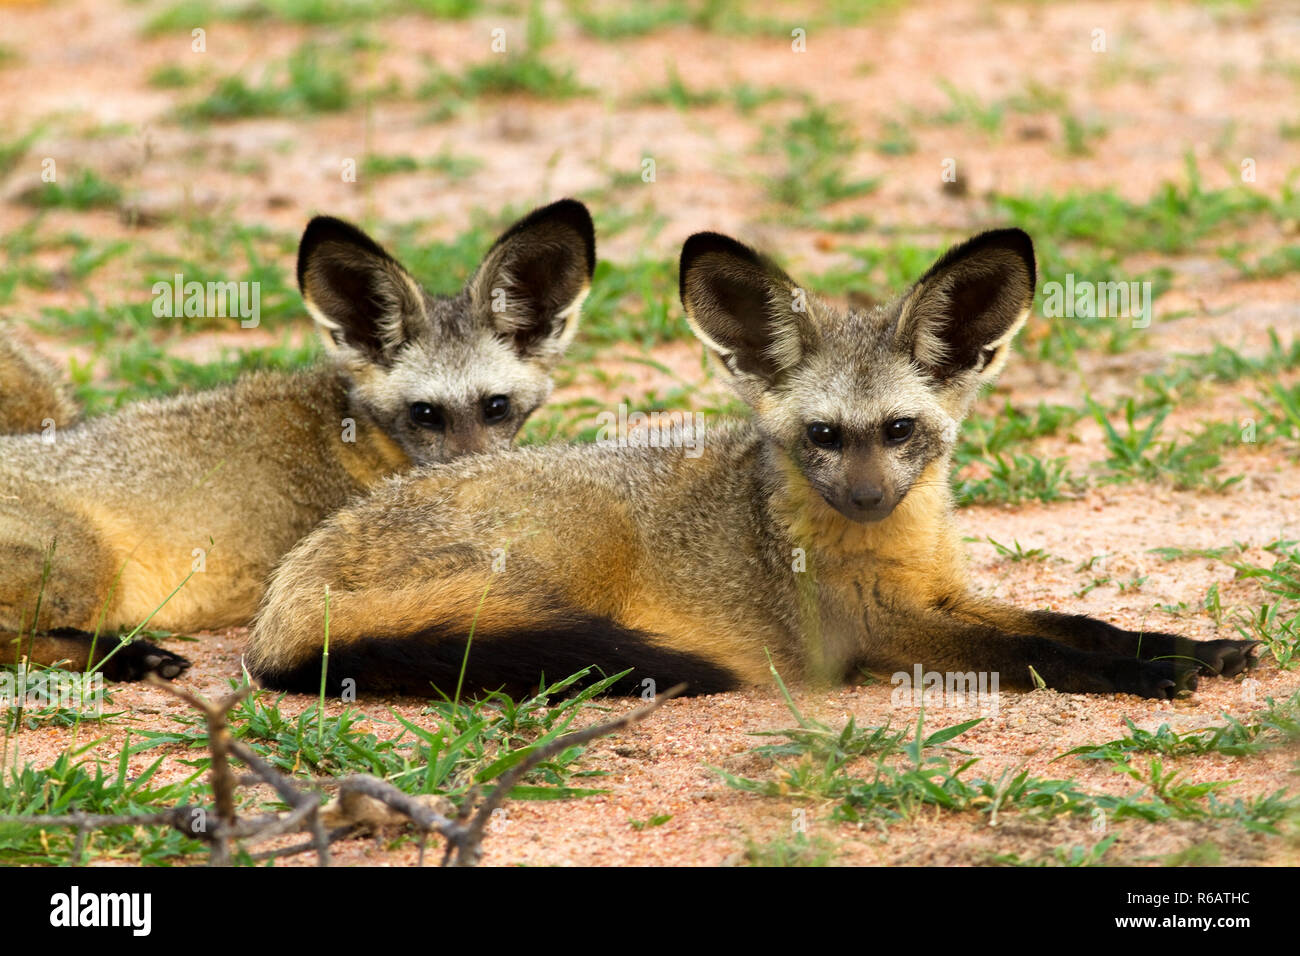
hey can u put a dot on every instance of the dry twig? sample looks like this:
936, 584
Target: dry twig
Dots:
464, 839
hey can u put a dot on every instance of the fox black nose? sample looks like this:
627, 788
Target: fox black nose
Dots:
867, 496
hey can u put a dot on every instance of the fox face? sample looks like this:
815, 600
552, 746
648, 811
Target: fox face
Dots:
450, 376
861, 402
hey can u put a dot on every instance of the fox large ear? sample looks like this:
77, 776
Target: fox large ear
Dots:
743, 308
356, 291
531, 283
965, 311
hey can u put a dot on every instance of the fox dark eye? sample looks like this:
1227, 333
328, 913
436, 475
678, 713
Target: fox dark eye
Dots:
823, 435
899, 430
429, 416
495, 409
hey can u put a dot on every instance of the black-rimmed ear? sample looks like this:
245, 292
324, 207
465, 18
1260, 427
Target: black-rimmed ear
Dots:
531, 283
355, 290
742, 306
966, 309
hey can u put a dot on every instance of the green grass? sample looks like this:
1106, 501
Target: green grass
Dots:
619, 21
727, 17
879, 776
1222, 365
989, 434
1091, 235
1253, 263
1275, 622
134, 344
658, 820
1137, 452
13, 150
1280, 408
1074, 855
896, 140
85, 190
79, 258
456, 746
184, 16
443, 265
172, 76
445, 162
1094, 235
1172, 221
815, 147
142, 369
964, 107
796, 850
677, 94
877, 272
14, 720
454, 749
75, 783
519, 71
1016, 554
1277, 725
1276, 627
308, 82
1016, 479
1080, 135
632, 302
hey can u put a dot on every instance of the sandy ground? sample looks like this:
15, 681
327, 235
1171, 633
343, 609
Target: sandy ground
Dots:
1214, 81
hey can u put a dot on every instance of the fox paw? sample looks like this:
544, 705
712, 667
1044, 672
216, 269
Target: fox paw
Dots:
140, 658
1225, 658
1220, 658
1160, 680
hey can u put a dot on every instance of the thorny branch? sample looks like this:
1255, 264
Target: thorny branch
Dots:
464, 839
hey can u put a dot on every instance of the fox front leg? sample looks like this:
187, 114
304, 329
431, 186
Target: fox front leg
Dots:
72, 649
1218, 658
945, 642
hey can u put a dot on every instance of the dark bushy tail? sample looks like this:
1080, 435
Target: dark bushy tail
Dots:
516, 658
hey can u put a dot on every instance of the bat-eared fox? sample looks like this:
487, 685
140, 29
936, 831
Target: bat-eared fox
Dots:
819, 532
101, 525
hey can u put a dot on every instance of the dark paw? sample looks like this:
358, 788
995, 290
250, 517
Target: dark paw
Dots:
139, 658
1215, 658
1161, 680
1225, 658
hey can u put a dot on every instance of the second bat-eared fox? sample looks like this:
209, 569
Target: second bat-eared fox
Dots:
818, 532
175, 511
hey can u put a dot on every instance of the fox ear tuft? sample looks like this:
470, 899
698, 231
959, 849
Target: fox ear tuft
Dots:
744, 309
963, 313
531, 284
357, 293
